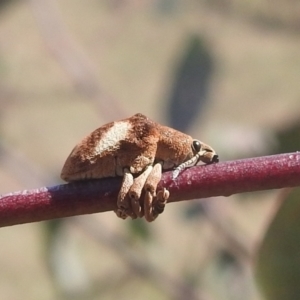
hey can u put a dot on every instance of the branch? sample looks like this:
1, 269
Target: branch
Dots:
86, 197
71, 58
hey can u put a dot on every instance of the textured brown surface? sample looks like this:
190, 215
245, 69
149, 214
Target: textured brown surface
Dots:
145, 142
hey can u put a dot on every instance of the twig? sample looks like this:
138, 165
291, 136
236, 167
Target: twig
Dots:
239, 247
222, 179
73, 60
139, 264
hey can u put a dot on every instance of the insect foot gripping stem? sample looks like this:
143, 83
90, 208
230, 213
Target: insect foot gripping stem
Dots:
129, 200
138, 149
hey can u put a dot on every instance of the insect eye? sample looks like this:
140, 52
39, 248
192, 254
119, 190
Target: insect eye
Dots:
196, 146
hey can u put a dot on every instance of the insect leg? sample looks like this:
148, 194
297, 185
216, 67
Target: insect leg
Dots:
136, 191
148, 208
123, 202
160, 201
154, 204
153, 179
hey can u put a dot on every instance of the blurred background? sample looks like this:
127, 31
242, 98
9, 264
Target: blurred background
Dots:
226, 72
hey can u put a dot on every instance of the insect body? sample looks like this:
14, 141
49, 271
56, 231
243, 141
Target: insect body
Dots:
138, 149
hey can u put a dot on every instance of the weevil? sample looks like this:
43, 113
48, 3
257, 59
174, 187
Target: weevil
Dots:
138, 149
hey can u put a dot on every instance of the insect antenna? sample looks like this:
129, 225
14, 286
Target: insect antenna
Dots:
192, 161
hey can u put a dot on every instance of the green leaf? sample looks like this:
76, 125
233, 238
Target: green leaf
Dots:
278, 259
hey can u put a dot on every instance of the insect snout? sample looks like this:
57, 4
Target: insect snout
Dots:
207, 154
215, 158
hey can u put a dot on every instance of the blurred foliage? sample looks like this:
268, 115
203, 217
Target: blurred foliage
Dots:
226, 259
279, 14
193, 210
289, 138
140, 229
5, 3
278, 259
190, 88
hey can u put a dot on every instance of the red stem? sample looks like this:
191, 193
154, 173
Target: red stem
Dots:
222, 179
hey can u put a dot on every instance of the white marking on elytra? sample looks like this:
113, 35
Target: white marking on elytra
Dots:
113, 136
